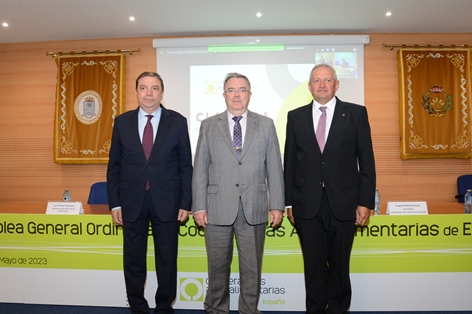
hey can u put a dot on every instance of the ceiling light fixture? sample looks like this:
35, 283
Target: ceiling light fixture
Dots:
388, 13
131, 18
258, 14
5, 24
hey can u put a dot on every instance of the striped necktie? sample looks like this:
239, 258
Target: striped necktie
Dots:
321, 129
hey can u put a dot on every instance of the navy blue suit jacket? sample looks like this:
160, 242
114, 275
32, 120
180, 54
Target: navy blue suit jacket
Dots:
346, 167
169, 168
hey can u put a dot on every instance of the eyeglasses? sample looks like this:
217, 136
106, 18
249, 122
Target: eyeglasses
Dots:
232, 91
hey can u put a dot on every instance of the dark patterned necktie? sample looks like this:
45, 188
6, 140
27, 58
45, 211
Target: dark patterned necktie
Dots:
148, 137
148, 141
321, 129
237, 136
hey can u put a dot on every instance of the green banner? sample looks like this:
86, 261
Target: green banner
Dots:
388, 244
60, 241
432, 243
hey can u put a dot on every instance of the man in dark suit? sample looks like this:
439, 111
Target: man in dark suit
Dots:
149, 181
238, 177
329, 187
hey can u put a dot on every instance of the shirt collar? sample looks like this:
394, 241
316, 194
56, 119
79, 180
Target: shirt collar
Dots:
330, 104
230, 115
142, 113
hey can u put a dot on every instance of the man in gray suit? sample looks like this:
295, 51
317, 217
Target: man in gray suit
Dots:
237, 166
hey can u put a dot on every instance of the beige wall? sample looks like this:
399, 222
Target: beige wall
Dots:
27, 90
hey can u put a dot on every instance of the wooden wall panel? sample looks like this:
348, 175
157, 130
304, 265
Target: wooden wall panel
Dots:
432, 180
27, 85
27, 88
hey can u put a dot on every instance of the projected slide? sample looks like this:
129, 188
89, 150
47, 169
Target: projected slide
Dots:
276, 89
193, 70
345, 63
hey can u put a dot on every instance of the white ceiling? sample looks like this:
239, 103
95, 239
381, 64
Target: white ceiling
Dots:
47, 20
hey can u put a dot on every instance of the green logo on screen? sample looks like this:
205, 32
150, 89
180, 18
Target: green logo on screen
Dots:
191, 289
211, 87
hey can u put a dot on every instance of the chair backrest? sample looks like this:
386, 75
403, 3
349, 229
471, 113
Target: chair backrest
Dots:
98, 193
464, 182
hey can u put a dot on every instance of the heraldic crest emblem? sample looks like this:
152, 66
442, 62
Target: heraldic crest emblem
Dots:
88, 107
439, 103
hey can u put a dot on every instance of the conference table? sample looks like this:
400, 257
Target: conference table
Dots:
14, 208
398, 262
99, 209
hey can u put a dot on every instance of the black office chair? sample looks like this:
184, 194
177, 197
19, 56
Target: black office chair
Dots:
464, 182
98, 193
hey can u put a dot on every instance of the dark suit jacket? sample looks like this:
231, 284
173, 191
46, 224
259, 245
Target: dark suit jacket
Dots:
346, 166
169, 168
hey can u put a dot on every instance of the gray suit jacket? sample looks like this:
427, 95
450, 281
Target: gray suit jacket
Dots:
220, 179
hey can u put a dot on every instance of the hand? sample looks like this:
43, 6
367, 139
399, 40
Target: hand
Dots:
289, 213
183, 215
275, 217
201, 218
362, 215
116, 215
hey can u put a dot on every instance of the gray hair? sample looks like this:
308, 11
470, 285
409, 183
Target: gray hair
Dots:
237, 75
323, 65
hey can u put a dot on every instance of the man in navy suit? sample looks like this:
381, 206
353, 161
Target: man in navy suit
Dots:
149, 181
329, 187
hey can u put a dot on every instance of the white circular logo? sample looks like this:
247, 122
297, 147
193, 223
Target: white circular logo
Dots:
211, 87
191, 281
88, 107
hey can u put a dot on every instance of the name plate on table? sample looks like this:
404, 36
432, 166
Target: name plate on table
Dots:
407, 208
65, 208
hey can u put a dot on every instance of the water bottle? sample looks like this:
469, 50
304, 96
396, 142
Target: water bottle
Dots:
468, 202
377, 202
66, 196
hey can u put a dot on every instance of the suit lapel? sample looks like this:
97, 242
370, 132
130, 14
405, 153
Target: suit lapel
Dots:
223, 126
307, 122
251, 127
162, 129
134, 132
338, 119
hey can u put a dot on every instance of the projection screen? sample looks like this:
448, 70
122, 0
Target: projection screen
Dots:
278, 67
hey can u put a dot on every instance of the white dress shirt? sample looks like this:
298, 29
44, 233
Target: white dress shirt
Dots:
330, 105
142, 121
243, 123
